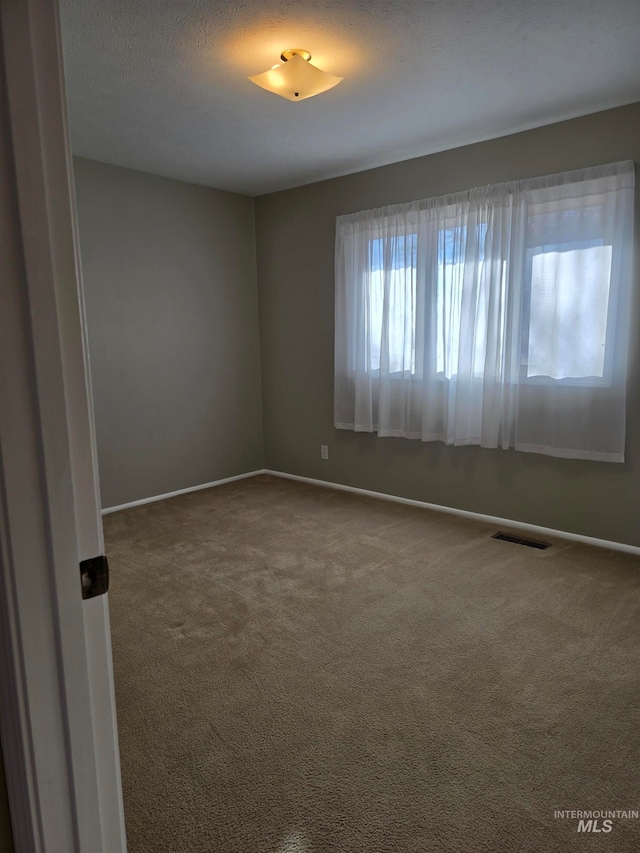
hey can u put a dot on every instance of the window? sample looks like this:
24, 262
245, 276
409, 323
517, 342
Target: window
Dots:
568, 302
452, 244
393, 262
495, 317
568, 269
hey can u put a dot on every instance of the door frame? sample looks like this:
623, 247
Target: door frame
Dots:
57, 708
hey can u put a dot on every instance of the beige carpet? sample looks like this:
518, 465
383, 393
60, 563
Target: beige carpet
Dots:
300, 670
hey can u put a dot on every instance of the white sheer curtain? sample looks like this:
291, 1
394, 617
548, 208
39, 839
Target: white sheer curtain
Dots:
495, 317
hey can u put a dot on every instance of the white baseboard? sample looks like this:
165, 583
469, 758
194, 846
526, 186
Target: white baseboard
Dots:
155, 498
492, 519
478, 516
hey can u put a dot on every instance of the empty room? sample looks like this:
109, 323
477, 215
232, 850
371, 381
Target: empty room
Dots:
347, 306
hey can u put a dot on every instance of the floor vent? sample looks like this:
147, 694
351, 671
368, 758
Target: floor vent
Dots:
530, 543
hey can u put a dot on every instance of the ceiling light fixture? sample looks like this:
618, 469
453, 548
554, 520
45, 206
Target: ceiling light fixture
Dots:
296, 79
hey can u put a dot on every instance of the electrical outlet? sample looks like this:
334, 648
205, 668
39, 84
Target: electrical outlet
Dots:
324, 451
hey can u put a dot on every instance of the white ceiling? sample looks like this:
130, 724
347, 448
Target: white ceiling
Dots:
161, 85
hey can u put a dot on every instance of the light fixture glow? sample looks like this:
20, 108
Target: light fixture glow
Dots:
296, 79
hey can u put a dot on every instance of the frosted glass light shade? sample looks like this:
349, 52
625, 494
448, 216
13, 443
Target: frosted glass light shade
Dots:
296, 79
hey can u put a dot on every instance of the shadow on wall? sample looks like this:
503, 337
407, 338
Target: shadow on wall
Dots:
6, 835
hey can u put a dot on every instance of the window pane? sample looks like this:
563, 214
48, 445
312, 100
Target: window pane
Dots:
392, 289
568, 311
453, 258
449, 298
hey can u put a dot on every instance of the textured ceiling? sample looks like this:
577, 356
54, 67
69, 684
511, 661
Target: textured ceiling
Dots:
161, 85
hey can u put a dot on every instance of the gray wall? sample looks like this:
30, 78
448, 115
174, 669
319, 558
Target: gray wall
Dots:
170, 288
295, 251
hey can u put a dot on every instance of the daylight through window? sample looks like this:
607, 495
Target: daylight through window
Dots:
495, 317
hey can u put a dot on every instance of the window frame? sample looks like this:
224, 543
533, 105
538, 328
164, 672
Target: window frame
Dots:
604, 381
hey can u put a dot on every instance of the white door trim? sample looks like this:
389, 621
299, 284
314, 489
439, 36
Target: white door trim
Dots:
61, 795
